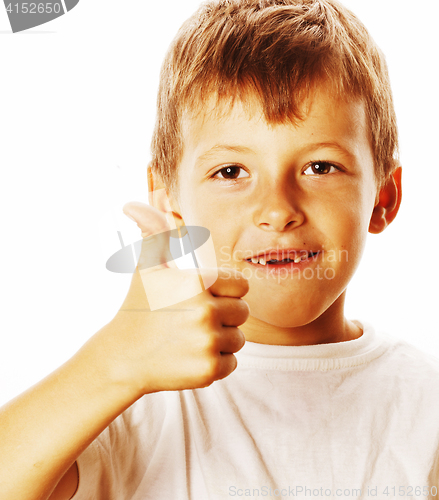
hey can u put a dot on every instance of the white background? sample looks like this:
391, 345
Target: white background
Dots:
77, 108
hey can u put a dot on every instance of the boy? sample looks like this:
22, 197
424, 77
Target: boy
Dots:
275, 131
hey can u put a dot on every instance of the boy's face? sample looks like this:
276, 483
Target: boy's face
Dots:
292, 189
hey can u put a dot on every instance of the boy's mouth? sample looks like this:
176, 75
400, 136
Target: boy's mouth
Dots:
274, 259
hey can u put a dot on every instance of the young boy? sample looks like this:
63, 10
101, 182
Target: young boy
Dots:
276, 131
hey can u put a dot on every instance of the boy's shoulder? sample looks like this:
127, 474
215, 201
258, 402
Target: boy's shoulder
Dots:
411, 362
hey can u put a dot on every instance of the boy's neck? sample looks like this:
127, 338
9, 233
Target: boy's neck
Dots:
330, 327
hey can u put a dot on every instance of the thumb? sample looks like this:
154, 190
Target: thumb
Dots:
155, 251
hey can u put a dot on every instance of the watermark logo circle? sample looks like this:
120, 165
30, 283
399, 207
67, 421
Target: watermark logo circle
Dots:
123, 260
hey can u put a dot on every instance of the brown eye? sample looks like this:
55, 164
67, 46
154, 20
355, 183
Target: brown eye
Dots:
230, 173
320, 168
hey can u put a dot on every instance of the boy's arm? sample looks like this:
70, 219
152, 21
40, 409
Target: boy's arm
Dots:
45, 429
190, 345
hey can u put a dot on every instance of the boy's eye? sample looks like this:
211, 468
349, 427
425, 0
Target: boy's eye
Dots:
230, 173
320, 168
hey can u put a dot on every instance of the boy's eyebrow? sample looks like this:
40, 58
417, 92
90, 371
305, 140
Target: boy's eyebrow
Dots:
244, 149
223, 147
329, 145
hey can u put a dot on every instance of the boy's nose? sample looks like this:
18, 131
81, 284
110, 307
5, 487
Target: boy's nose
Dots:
278, 211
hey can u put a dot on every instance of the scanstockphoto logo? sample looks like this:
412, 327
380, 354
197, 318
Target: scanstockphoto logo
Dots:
126, 259
173, 287
25, 15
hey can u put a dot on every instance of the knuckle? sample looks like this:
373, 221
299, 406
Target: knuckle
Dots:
207, 312
209, 344
232, 364
240, 339
245, 308
213, 367
209, 372
235, 276
245, 284
241, 312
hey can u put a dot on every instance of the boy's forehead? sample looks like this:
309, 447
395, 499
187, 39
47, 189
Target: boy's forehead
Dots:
322, 105
197, 118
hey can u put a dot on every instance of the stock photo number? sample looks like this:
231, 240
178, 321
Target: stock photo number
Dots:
34, 8
26, 15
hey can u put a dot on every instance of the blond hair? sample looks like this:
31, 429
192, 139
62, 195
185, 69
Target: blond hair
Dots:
276, 50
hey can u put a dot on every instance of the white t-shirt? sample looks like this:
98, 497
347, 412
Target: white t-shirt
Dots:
355, 419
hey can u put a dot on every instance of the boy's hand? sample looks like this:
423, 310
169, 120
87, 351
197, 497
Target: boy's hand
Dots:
187, 345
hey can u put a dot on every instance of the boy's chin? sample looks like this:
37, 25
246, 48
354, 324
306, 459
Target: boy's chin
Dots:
286, 317
300, 307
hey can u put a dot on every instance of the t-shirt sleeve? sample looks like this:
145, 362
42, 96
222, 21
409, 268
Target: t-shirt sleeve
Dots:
115, 463
94, 465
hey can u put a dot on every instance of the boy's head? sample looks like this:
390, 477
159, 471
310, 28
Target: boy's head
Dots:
276, 51
276, 131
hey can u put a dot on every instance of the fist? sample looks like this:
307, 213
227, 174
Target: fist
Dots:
188, 344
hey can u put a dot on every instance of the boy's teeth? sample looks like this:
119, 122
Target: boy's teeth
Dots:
263, 261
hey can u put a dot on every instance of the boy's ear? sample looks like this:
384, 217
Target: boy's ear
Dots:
387, 205
160, 198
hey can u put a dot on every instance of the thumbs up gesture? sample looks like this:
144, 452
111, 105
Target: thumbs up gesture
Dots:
170, 287
188, 339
